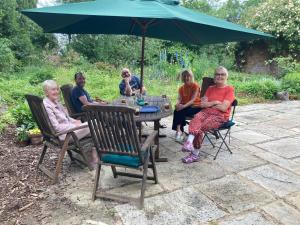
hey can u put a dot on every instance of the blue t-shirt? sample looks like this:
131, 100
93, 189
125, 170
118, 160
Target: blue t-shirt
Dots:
77, 92
134, 83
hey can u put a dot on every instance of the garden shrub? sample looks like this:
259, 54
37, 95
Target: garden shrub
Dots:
41, 76
22, 116
291, 82
7, 58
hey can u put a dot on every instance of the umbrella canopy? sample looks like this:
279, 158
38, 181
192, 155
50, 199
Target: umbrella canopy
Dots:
163, 19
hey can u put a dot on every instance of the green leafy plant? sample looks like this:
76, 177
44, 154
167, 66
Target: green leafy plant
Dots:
41, 76
22, 133
23, 116
291, 82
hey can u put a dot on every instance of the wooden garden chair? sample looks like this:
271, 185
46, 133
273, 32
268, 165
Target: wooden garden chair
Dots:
115, 136
51, 138
66, 91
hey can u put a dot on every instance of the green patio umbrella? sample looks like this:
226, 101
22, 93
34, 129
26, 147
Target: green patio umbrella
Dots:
163, 19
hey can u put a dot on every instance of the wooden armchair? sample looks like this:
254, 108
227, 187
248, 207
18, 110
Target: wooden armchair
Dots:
66, 91
51, 138
115, 136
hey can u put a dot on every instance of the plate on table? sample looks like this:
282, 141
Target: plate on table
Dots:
149, 109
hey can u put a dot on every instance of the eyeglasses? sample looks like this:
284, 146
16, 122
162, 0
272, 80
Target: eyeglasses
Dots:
220, 74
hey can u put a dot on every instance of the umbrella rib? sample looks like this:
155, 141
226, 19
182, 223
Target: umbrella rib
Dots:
193, 39
132, 26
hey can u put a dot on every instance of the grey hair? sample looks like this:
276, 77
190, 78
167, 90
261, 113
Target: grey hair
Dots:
48, 84
222, 68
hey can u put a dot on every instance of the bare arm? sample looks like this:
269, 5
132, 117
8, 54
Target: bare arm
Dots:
189, 103
222, 106
206, 104
128, 90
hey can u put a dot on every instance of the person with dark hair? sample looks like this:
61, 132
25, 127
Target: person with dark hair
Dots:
79, 96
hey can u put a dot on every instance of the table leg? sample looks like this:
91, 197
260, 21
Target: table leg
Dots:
157, 158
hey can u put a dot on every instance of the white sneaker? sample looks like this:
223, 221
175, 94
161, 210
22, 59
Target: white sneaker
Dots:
179, 137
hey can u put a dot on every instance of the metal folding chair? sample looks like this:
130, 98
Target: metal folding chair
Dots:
217, 132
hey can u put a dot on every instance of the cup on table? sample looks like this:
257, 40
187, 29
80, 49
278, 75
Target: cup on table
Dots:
123, 100
137, 111
167, 106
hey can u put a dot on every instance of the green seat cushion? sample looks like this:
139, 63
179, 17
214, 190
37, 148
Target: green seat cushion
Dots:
125, 160
227, 125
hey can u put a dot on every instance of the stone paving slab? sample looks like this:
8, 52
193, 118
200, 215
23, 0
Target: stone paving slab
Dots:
252, 218
283, 213
238, 161
286, 147
235, 194
274, 179
289, 164
294, 199
174, 175
272, 131
251, 137
283, 121
185, 206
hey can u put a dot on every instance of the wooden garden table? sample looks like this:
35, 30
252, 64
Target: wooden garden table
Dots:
150, 117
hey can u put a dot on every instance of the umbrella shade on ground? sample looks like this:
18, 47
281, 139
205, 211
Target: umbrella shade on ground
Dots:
163, 19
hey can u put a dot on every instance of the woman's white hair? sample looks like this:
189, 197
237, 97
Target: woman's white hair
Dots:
222, 68
48, 84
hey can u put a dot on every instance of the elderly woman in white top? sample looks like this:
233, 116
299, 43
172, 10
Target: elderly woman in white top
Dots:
59, 118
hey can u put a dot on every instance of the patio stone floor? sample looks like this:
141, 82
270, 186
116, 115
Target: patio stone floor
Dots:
258, 184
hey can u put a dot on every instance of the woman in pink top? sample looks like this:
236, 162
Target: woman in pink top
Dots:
59, 118
216, 108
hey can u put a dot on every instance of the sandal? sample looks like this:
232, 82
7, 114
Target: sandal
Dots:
190, 158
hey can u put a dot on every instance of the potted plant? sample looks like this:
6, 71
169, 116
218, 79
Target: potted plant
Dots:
35, 136
22, 136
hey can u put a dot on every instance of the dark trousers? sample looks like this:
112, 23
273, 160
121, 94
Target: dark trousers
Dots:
179, 117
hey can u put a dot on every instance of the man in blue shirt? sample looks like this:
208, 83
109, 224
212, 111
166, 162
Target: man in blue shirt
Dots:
79, 96
130, 85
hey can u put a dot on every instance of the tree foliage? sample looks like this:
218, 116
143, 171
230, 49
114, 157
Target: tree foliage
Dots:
280, 18
24, 36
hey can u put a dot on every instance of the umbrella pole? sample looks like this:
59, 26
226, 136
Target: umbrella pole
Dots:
142, 63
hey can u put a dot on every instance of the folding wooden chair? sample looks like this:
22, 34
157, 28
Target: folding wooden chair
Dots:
66, 91
51, 138
225, 126
115, 137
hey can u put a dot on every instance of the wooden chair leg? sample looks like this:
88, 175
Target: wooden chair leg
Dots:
61, 158
85, 158
145, 171
96, 182
42, 155
70, 155
114, 170
153, 165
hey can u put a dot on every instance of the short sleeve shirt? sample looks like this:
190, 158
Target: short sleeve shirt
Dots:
77, 92
214, 93
134, 83
187, 91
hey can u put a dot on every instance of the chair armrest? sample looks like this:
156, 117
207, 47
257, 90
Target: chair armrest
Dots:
72, 129
77, 115
149, 140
